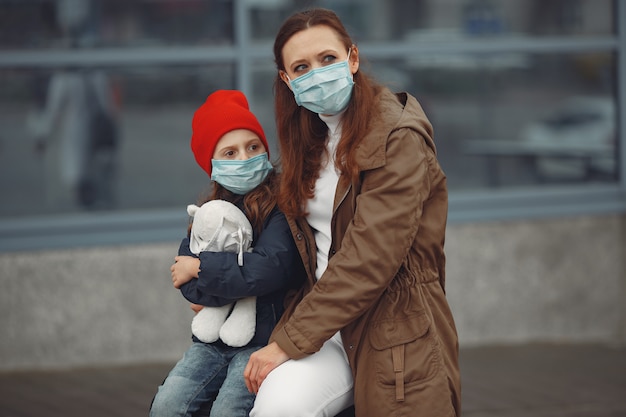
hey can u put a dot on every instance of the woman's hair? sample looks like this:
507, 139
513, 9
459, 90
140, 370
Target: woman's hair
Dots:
257, 204
302, 134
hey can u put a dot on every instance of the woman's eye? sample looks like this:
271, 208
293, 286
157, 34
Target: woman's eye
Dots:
300, 68
329, 59
253, 147
229, 154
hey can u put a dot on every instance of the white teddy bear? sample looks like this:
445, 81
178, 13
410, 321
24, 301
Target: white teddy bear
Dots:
219, 226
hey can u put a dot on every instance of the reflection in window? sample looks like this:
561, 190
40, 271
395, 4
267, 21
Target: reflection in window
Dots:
541, 119
53, 160
510, 119
95, 23
377, 20
165, 23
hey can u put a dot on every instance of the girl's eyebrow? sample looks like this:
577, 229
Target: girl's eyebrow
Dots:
224, 147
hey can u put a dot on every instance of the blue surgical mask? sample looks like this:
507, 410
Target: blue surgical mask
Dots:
238, 176
325, 90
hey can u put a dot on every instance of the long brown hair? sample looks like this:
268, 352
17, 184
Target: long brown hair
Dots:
302, 134
257, 204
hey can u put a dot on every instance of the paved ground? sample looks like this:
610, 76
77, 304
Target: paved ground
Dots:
519, 381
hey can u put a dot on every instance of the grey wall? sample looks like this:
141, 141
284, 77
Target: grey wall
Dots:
549, 280
557, 280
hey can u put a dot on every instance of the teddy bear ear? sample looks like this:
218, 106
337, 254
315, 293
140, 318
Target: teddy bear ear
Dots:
192, 209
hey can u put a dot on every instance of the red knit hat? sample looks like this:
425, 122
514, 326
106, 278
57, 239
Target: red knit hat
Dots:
223, 111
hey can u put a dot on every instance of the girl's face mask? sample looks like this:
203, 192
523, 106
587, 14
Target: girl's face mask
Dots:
325, 90
241, 177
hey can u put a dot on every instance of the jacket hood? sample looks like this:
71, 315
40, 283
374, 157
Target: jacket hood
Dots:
397, 111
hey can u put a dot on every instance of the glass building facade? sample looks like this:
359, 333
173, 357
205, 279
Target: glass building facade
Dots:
526, 98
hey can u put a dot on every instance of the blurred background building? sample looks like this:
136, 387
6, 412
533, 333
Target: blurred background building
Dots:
526, 98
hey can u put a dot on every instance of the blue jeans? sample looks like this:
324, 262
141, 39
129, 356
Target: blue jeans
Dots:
207, 381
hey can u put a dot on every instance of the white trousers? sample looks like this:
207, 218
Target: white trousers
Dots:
319, 385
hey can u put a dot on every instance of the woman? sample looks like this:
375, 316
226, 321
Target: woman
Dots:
366, 201
229, 144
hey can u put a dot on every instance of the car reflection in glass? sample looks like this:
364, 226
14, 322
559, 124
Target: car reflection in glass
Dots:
576, 141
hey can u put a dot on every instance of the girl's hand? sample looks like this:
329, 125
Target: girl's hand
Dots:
261, 363
184, 269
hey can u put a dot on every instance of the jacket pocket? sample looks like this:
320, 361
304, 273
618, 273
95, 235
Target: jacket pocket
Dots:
403, 351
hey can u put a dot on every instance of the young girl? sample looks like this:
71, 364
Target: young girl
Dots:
229, 144
367, 200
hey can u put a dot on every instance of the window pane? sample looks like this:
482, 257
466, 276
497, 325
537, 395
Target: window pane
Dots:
262, 101
502, 119
429, 20
93, 23
51, 163
516, 120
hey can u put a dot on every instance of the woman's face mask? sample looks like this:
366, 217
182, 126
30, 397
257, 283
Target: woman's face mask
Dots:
325, 90
241, 176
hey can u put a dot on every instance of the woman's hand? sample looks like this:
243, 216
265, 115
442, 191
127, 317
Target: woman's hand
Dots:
196, 307
184, 269
261, 363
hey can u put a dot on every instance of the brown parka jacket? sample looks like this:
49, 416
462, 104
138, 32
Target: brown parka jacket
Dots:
384, 285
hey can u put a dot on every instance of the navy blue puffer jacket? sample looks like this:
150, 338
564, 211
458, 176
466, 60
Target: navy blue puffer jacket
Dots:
268, 272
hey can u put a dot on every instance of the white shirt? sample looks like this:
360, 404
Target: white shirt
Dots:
320, 207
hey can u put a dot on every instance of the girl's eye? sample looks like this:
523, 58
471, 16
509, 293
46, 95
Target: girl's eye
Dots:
229, 154
253, 147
